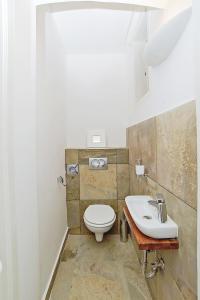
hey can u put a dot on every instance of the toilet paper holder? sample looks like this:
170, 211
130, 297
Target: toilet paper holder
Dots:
139, 168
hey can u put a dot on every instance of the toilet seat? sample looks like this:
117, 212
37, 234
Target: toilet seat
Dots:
99, 225
99, 215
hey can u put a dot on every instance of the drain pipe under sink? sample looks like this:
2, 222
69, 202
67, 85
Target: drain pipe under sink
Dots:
155, 266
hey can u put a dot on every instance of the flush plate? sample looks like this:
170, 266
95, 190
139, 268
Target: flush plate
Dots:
98, 163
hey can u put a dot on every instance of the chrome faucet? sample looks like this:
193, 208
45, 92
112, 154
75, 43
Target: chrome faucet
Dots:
160, 204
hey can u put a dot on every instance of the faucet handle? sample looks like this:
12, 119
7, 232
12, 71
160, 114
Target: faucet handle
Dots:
160, 198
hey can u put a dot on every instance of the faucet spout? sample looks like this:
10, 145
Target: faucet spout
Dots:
153, 202
160, 204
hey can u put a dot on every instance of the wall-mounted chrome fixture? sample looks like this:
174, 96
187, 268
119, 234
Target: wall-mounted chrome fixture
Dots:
157, 265
98, 163
61, 181
72, 170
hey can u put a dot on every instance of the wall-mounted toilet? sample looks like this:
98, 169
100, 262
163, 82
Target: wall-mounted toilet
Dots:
99, 219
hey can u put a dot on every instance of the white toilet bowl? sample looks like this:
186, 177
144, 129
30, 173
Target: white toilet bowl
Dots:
99, 219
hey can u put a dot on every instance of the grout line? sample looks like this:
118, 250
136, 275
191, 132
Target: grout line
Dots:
171, 192
167, 190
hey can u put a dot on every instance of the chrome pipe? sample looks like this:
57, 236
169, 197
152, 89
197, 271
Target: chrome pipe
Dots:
155, 266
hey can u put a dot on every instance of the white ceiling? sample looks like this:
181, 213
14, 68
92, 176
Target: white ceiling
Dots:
96, 29
147, 3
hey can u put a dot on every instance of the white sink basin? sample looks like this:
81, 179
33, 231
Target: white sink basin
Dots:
145, 217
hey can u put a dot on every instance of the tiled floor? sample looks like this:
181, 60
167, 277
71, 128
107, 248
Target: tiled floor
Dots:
99, 271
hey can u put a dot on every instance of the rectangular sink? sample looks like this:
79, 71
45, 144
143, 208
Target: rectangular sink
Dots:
146, 219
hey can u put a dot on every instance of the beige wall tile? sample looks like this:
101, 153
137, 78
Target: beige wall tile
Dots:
186, 291
135, 245
98, 184
122, 181
133, 185
121, 205
75, 231
182, 263
123, 156
71, 156
73, 215
151, 187
138, 185
73, 187
142, 145
152, 283
176, 180
177, 153
84, 155
167, 288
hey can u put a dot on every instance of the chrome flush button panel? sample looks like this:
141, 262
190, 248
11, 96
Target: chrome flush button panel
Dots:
98, 163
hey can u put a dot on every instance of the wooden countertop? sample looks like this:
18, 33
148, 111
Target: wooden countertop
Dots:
147, 243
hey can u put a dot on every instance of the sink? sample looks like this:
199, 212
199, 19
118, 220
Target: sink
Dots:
145, 217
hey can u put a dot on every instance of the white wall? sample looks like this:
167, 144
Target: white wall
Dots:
106, 81
20, 118
99, 96
32, 149
6, 184
196, 24
172, 82
50, 144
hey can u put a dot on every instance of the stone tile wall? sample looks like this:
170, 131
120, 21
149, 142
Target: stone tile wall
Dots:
109, 186
167, 146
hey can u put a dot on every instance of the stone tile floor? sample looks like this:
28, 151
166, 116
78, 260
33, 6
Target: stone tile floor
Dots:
99, 271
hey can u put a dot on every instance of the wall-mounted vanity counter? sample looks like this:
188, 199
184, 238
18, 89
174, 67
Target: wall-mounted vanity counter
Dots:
147, 243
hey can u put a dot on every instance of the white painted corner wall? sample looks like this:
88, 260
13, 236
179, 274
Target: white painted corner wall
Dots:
32, 137
172, 82
98, 96
20, 130
50, 145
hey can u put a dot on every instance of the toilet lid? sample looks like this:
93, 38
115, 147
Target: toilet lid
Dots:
99, 214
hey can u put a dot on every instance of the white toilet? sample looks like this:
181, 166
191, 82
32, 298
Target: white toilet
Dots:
99, 219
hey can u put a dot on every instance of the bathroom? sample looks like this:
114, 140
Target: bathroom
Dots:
99, 111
